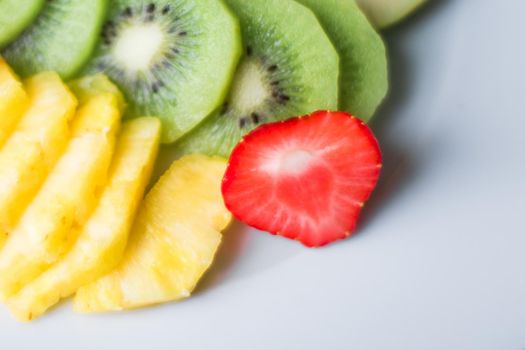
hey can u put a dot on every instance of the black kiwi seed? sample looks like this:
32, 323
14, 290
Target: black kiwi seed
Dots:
155, 87
151, 8
108, 32
242, 122
274, 83
272, 68
183, 33
249, 51
283, 99
128, 12
175, 50
166, 9
256, 118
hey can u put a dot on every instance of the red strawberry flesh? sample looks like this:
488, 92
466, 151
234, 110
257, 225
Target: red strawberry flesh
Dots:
306, 178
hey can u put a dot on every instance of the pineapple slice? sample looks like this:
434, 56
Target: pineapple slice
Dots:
13, 100
65, 200
34, 146
90, 86
102, 240
172, 243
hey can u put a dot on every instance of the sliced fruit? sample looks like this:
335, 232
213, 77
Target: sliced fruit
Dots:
61, 39
290, 68
306, 178
34, 147
172, 243
173, 59
46, 231
102, 240
384, 13
13, 100
364, 71
15, 16
92, 85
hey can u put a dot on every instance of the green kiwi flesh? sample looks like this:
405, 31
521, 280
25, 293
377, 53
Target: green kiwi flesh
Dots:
173, 59
15, 16
61, 38
364, 69
290, 68
384, 13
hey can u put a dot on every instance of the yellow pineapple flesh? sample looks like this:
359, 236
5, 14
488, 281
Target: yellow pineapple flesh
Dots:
34, 146
101, 242
13, 100
65, 200
172, 243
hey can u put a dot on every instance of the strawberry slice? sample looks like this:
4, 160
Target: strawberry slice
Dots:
306, 178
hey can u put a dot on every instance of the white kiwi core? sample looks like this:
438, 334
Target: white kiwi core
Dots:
138, 45
249, 89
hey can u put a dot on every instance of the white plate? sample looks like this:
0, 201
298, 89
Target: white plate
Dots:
439, 260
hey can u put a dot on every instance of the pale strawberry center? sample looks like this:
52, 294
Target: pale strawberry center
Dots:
292, 162
296, 161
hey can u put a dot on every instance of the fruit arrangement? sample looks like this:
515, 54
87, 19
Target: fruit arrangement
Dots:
91, 90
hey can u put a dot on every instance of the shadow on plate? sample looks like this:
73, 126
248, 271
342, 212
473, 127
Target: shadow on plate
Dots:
233, 245
400, 163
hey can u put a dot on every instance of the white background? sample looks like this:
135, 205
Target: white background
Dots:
439, 260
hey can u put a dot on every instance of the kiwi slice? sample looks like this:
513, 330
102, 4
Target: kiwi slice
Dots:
364, 72
384, 13
172, 58
61, 39
15, 16
289, 68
